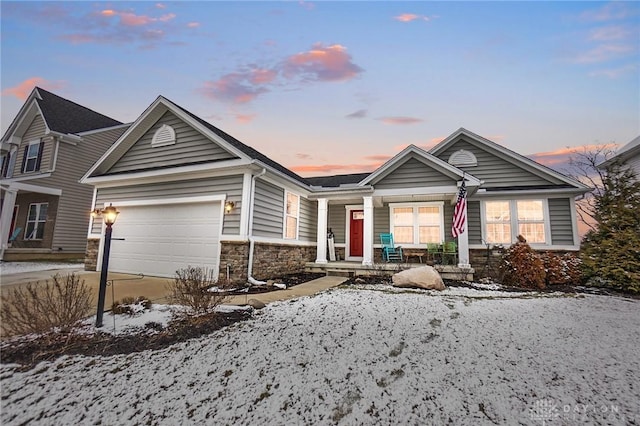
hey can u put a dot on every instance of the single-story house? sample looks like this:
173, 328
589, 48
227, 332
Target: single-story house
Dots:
190, 194
47, 148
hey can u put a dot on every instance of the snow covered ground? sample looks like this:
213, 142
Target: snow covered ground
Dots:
368, 355
8, 268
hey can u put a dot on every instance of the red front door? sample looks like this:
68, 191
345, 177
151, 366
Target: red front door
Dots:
356, 227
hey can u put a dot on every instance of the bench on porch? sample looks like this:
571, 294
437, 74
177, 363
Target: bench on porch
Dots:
409, 253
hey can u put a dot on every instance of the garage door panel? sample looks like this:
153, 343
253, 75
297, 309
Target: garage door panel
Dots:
158, 240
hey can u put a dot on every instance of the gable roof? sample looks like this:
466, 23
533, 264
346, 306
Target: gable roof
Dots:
508, 155
425, 157
65, 116
245, 149
120, 147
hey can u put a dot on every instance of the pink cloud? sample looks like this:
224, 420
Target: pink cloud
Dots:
193, 24
160, 6
603, 53
609, 33
333, 168
608, 12
245, 118
560, 158
409, 17
322, 63
234, 87
24, 88
400, 120
614, 72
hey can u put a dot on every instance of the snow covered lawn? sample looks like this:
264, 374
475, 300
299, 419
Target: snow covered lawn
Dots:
369, 355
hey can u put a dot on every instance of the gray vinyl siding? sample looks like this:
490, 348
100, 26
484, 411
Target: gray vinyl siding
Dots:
474, 222
75, 203
268, 210
381, 222
229, 185
560, 221
411, 174
308, 221
448, 220
336, 220
494, 170
190, 147
35, 132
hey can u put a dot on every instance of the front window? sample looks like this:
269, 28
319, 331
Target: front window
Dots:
36, 220
498, 217
32, 157
292, 213
417, 223
505, 220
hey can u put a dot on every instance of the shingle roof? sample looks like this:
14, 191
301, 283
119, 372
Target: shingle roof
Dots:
252, 153
65, 116
337, 180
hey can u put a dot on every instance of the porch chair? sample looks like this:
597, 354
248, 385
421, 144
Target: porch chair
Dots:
14, 236
450, 249
390, 252
434, 251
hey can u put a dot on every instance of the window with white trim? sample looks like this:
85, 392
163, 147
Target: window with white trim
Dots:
7, 160
291, 215
505, 220
32, 157
417, 223
36, 219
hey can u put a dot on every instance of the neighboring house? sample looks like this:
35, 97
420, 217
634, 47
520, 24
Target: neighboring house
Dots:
628, 154
190, 194
47, 148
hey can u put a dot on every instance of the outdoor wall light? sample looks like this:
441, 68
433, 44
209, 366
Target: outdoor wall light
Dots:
228, 206
109, 214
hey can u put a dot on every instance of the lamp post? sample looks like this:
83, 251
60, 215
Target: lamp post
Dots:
109, 214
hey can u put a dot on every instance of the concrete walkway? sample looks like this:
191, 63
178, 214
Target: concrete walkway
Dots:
154, 288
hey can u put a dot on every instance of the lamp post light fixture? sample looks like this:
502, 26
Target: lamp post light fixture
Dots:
228, 206
109, 214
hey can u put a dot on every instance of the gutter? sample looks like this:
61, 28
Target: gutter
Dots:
251, 240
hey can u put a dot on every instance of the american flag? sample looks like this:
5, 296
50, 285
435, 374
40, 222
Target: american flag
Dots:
460, 212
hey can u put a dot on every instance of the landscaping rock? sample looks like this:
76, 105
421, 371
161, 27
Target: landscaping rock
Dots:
256, 304
424, 277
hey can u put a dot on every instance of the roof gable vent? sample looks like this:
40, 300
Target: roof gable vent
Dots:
463, 158
164, 136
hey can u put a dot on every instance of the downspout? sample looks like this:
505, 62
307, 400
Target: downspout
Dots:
251, 241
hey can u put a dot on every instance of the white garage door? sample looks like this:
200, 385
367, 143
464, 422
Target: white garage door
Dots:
157, 240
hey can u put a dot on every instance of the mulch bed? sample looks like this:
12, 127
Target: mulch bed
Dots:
290, 280
28, 352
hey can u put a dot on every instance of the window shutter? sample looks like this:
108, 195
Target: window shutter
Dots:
40, 151
24, 158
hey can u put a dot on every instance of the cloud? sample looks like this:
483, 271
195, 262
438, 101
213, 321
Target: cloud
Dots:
235, 87
604, 53
361, 113
319, 64
245, 118
133, 20
303, 156
408, 17
24, 88
161, 6
559, 159
614, 72
307, 4
608, 12
616, 32
400, 120
322, 63
193, 24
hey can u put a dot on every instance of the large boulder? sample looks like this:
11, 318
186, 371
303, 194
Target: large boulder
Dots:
423, 277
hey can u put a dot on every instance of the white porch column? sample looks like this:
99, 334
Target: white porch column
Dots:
463, 245
5, 219
321, 238
367, 249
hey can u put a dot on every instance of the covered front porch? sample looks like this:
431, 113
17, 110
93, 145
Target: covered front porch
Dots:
353, 268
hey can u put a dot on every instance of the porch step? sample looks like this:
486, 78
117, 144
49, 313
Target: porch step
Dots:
340, 273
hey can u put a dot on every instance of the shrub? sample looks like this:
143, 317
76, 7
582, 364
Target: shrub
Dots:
131, 306
521, 266
190, 288
37, 308
562, 270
